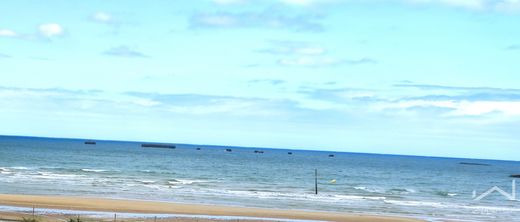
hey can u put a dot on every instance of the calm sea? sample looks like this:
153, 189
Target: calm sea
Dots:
423, 187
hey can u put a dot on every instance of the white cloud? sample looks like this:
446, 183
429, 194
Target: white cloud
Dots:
471, 4
310, 50
485, 107
231, 107
320, 61
293, 48
298, 2
486, 5
146, 102
102, 17
462, 108
310, 2
508, 6
51, 29
219, 20
309, 61
7, 33
468, 4
228, 2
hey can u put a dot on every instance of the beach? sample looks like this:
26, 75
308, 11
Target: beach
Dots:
162, 208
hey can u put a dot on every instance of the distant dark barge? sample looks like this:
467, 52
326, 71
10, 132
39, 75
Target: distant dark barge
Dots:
151, 145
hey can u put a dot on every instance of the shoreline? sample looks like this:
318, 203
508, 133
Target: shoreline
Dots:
89, 204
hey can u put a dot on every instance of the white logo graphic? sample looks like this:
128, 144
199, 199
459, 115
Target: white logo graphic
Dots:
508, 196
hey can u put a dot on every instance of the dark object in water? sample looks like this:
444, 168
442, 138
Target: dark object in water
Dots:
150, 145
259, 151
90, 143
198, 148
515, 176
290, 153
474, 164
331, 155
228, 150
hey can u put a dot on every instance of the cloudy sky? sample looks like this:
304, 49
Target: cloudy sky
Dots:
416, 77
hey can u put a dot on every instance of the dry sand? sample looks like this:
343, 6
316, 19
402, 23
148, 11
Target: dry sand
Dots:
137, 206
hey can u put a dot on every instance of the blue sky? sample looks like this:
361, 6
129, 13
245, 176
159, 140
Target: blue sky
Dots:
416, 77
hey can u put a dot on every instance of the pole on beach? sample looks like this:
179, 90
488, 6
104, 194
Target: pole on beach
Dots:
33, 212
115, 217
155, 219
316, 181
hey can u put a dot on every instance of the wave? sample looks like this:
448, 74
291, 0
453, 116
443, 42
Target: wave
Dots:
10, 169
93, 170
50, 175
446, 194
4, 170
329, 198
20, 168
146, 181
184, 182
370, 190
451, 206
352, 197
382, 191
401, 191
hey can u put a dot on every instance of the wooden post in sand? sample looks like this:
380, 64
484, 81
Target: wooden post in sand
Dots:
316, 181
115, 217
33, 212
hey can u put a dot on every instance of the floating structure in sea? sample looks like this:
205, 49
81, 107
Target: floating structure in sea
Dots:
475, 164
331, 155
515, 176
229, 150
153, 145
290, 153
90, 143
259, 151
198, 148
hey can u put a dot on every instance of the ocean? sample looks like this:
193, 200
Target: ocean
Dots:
429, 188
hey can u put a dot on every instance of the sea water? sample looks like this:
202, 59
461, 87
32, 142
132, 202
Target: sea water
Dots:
422, 187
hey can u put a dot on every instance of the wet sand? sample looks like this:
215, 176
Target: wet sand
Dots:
151, 207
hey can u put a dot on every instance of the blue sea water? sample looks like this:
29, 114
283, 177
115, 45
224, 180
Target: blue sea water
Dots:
422, 187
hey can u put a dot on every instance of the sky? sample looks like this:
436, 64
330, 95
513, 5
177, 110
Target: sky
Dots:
413, 77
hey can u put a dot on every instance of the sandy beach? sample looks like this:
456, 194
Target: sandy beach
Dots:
137, 206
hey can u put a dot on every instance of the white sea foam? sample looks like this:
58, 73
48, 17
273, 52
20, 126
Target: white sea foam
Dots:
353, 197
401, 190
20, 168
452, 206
184, 182
370, 190
4, 170
146, 181
51, 175
93, 170
326, 198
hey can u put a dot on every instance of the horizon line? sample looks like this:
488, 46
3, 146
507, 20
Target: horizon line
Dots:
253, 147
